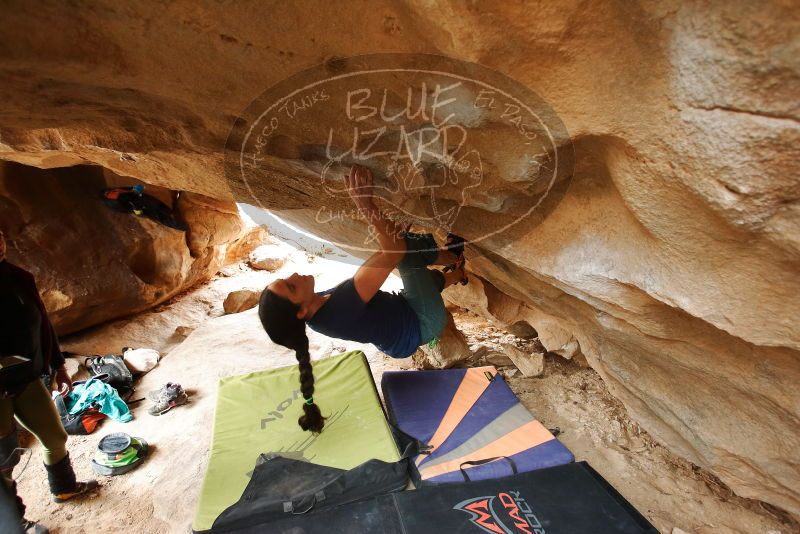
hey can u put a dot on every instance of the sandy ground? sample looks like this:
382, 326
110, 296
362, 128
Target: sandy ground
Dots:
201, 345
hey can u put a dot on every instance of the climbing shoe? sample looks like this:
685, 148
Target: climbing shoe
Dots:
166, 398
455, 244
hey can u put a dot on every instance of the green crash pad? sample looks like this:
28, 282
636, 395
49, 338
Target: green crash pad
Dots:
257, 413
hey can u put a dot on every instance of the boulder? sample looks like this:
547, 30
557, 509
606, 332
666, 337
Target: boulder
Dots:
239, 301
498, 359
267, 258
254, 237
568, 350
490, 355
529, 364
451, 349
93, 264
674, 251
514, 315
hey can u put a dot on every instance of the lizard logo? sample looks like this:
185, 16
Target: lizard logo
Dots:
454, 147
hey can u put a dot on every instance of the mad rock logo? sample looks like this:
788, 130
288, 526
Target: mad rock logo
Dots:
453, 147
504, 513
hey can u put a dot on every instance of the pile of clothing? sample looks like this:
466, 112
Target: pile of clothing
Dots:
107, 393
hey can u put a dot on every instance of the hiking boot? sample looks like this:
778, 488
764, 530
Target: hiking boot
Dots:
32, 527
167, 398
63, 485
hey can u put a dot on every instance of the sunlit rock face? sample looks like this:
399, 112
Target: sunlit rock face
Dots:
672, 259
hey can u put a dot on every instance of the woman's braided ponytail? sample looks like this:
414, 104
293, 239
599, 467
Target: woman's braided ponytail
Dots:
279, 319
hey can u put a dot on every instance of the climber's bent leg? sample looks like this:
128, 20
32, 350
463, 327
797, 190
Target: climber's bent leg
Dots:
445, 257
421, 286
453, 277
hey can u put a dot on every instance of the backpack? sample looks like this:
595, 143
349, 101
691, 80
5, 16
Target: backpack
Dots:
119, 376
79, 424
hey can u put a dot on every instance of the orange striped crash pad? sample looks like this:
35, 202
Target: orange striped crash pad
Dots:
476, 427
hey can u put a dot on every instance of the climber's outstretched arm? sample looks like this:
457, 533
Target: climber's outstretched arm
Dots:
373, 273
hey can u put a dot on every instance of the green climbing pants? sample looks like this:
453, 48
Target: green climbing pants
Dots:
34, 409
422, 287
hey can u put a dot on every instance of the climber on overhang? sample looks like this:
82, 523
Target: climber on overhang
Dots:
357, 309
132, 199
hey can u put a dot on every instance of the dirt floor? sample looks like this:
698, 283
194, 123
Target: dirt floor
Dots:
200, 345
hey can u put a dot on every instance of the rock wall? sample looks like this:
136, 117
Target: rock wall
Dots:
515, 316
93, 264
672, 260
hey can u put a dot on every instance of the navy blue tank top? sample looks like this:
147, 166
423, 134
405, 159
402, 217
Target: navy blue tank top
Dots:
387, 321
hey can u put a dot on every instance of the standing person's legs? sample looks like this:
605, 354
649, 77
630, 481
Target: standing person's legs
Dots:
35, 410
8, 435
9, 455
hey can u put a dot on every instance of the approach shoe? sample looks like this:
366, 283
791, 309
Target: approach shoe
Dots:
80, 489
167, 398
163, 390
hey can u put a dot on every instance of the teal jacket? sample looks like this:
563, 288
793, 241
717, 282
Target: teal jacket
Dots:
98, 393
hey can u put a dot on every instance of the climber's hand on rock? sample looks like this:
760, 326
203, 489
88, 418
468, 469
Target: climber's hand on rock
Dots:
360, 188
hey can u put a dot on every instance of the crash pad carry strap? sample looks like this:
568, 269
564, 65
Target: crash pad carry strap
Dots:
411, 446
418, 448
486, 461
414, 447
